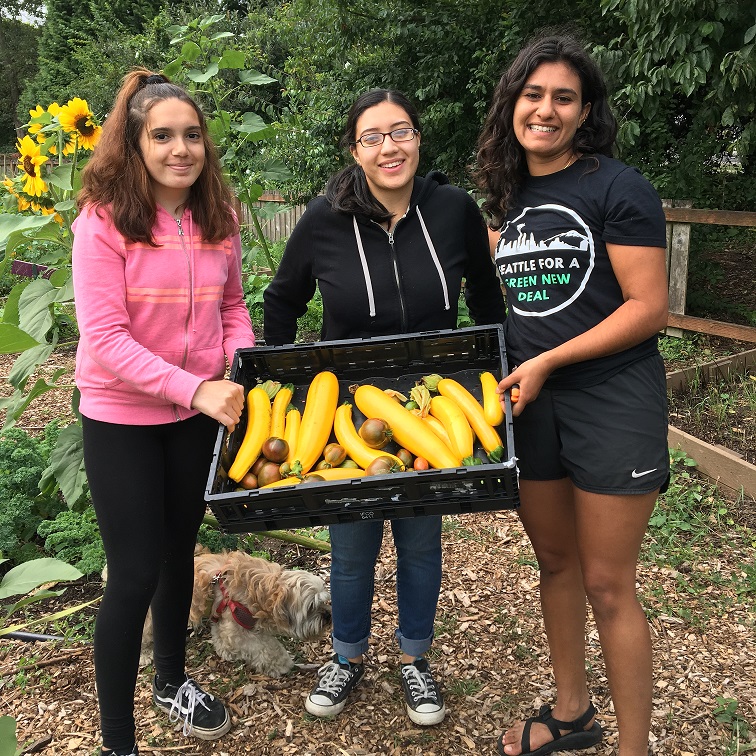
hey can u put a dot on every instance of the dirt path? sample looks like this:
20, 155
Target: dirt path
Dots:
490, 655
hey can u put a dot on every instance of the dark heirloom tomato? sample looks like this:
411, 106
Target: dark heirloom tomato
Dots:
269, 473
375, 432
275, 449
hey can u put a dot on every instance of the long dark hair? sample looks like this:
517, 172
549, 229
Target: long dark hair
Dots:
501, 164
116, 176
348, 190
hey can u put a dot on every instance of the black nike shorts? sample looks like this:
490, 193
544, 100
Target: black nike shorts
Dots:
610, 438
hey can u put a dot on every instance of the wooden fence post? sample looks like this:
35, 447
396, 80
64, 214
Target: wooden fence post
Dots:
678, 251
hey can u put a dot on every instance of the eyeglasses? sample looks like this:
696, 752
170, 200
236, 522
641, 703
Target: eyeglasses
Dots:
378, 137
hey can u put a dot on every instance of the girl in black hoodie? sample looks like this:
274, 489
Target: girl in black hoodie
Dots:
389, 252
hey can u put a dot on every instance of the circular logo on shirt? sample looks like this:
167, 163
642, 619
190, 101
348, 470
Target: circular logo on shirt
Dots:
544, 257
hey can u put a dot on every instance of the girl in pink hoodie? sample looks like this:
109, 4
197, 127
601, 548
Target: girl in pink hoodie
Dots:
157, 279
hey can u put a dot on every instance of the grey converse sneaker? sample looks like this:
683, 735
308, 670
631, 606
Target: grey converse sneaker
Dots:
335, 681
205, 717
425, 704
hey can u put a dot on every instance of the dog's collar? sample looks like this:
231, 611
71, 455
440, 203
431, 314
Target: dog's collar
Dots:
242, 616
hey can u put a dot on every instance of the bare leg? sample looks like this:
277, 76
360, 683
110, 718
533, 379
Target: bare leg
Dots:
610, 531
589, 543
548, 514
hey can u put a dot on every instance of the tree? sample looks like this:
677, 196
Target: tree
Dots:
16, 39
82, 36
684, 75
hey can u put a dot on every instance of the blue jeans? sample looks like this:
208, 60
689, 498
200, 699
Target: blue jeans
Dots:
354, 551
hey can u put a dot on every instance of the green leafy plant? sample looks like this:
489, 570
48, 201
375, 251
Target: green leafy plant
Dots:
726, 712
74, 537
23, 580
40, 208
23, 459
218, 73
8, 742
212, 538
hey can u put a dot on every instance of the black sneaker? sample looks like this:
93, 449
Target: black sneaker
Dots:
335, 681
425, 704
133, 751
205, 717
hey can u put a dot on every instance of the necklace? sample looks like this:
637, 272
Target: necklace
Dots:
572, 159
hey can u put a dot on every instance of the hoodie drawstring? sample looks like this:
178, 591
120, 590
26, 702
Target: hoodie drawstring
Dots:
365, 269
436, 261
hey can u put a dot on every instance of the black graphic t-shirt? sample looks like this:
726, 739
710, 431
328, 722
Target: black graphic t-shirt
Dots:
552, 259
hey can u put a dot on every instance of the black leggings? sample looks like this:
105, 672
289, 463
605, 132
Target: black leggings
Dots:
147, 484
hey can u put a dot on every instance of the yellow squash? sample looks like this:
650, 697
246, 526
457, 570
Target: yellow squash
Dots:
457, 427
488, 436
317, 420
258, 430
492, 410
438, 428
340, 473
278, 411
409, 430
291, 432
349, 438
291, 481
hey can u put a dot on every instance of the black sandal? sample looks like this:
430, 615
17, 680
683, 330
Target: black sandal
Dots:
576, 738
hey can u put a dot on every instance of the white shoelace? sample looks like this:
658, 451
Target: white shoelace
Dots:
193, 696
418, 683
332, 678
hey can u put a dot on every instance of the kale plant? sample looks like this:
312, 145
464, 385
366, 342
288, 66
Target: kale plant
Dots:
74, 537
23, 507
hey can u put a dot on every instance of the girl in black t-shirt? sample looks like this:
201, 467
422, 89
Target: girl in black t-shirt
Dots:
580, 248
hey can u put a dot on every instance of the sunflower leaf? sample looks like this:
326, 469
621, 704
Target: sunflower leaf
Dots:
200, 77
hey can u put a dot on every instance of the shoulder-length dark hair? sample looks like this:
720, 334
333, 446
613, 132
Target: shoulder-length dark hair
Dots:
116, 176
348, 190
501, 163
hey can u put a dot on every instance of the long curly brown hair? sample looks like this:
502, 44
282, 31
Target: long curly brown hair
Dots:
116, 177
501, 166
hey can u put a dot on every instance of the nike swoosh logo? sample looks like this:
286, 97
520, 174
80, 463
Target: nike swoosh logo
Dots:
641, 474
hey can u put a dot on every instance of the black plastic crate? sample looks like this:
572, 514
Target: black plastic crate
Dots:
396, 362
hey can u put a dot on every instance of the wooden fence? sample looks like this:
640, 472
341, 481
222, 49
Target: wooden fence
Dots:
8, 163
680, 216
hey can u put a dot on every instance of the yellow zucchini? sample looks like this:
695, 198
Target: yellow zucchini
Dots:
291, 481
457, 427
438, 428
349, 438
340, 473
291, 432
488, 436
409, 430
278, 410
317, 420
492, 410
258, 430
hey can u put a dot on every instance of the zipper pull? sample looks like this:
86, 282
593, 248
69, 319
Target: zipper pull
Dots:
180, 229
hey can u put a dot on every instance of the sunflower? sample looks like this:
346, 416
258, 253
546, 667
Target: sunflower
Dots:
76, 118
36, 123
29, 164
9, 186
69, 143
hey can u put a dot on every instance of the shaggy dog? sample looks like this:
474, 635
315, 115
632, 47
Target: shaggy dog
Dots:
250, 601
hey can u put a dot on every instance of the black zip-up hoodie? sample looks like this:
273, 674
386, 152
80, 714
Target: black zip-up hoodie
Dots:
375, 283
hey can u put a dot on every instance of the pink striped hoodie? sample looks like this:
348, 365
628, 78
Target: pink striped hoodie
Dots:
154, 322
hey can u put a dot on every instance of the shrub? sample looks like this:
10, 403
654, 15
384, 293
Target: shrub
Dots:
23, 458
74, 537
